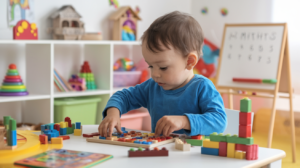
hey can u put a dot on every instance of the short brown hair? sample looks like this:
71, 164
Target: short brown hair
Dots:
178, 29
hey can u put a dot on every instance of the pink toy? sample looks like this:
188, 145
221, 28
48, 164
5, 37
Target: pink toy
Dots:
77, 83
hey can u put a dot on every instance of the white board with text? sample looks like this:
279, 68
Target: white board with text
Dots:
250, 52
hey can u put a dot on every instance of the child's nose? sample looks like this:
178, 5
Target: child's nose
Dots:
155, 74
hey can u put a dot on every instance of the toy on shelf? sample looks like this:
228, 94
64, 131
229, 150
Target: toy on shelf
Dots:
23, 30
67, 24
12, 84
240, 147
77, 83
147, 152
60, 83
125, 24
10, 132
87, 74
131, 139
181, 145
124, 64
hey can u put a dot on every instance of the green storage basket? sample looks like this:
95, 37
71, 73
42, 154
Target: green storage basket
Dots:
82, 110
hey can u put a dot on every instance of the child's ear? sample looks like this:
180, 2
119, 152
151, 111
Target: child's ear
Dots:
192, 60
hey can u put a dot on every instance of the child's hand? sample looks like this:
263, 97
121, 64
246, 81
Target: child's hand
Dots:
111, 121
167, 124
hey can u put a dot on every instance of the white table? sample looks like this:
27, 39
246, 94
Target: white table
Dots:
176, 159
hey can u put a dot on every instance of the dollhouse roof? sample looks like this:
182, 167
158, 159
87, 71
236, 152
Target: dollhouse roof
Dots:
61, 12
122, 10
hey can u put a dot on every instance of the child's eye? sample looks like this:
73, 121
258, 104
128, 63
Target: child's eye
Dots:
150, 66
164, 68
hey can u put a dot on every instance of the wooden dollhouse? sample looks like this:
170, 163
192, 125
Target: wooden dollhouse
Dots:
66, 24
125, 24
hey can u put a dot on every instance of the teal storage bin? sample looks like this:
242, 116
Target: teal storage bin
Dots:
82, 110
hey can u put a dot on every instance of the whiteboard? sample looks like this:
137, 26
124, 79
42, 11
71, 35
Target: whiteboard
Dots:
250, 52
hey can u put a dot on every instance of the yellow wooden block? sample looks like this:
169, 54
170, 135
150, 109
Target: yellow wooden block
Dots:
240, 155
95, 137
67, 124
210, 144
63, 125
57, 140
154, 141
230, 150
77, 132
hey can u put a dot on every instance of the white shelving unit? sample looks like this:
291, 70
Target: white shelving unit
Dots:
36, 61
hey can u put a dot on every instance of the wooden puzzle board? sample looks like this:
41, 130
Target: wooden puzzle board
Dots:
130, 144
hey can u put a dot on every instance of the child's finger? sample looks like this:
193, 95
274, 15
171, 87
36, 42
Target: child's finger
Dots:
159, 129
110, 130
171, 129
99, 129
166, 130
157, 125
104, 130
118, 127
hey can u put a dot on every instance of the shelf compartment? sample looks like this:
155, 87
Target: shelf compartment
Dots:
81, 93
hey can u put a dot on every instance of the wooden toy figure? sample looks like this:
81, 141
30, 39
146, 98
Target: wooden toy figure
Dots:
77, 83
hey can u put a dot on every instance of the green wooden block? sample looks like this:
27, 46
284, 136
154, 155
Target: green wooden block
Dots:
8, 138
69, 130
245, 105
12, 125
232, 139
245, 141
219, 137
194, 142
6, 121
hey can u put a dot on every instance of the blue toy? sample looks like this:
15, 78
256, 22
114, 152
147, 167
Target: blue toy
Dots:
209, 151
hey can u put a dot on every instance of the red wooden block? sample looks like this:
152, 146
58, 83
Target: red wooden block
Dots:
57, 127
67, 119
65, 137
91, 135
197, 137
245, 131
223, 149
245, 118
255, 152
252, 152
147, 152
43, 139
241, 147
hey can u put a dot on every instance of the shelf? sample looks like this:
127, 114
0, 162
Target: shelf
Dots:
23, 98
69, 42
84, 93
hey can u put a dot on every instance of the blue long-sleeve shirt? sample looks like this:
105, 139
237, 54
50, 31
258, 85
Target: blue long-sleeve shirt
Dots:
198, 100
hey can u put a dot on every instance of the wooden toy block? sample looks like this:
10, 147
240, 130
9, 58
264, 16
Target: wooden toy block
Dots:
58, 140
232, 139
91, 135
96, 137
63, 125
245, 131
223, 149
245, 118
113, 138
241, 147
43, 139
123, 128
210, 144
240, 155
245, 141
245, 105
154, 141
197, 137
182, 146
231, 150
218, 137
50, 126
69, 130
209, 151
43, 128
68, 120
13, 138
77, 132
57, 127
252, 152
63, 131
194, 142
64, 137
78, 125
147, 152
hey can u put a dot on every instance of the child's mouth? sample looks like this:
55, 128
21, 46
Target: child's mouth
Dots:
160, 84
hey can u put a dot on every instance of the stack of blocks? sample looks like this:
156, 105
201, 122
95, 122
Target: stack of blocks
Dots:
240, 147
51, 132
10, 127
78, 130
87, 74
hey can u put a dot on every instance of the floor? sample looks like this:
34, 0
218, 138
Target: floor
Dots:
281, 139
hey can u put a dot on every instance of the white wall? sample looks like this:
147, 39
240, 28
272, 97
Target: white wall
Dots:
94, 13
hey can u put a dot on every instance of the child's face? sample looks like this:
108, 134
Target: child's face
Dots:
168, 68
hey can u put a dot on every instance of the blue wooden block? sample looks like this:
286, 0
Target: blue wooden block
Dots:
123, 128
51, 126
210, 151
63, 131
138, 142
144, 142
100, 137
149, 143
43, 128
13, 138
78, 125
122, 135
139, 137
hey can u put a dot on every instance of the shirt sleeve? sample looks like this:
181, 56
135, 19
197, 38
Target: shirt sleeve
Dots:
212, 117
129, 99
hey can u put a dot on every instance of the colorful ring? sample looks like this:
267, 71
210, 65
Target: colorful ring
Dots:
13, 77
12, 80
12, 84
12, 74
13, 87
12, 71
14, 94
13, 90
